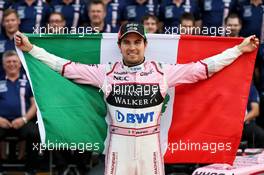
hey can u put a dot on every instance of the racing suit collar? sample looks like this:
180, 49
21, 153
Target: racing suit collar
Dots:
133, 69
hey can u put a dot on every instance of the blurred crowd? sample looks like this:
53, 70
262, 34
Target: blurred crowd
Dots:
232, 18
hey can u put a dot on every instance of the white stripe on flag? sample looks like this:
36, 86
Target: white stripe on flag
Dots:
156, 50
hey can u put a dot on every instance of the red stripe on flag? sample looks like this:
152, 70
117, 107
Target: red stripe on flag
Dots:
208, 116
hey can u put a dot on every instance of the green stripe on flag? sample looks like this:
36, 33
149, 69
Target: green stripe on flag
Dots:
72, 113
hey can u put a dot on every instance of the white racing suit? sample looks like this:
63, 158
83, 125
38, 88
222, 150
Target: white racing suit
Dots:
134, 97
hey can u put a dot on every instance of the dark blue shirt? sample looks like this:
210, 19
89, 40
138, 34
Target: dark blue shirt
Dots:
5, 44
3, 5
14, 98
170, 13
69, 11
114, 11
212, 11
253, 97
28, 15
135, 12
252, 17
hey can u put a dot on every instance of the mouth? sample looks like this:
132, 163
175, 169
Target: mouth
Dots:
132, 54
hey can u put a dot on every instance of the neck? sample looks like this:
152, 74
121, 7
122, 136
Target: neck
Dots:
98, 25
10, 35
29, 2
256, 2
132, 65
12, 77
67, 1
177, 2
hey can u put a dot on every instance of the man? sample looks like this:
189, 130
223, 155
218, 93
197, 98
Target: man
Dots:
3, 5
74, 11
187, 24
251, 13
233, 25
253, 133
133, 146
97, 14
114, 10
172, 10
213, 12
33, 14
17, 104
151, 23
56, 23
11, 24
138, 8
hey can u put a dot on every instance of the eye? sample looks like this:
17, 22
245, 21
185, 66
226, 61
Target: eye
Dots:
137, 42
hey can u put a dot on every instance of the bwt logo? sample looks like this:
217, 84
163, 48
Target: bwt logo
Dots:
134, 118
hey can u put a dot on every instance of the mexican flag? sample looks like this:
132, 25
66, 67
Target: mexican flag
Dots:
200, 122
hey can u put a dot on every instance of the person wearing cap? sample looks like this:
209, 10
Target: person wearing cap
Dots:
134, 123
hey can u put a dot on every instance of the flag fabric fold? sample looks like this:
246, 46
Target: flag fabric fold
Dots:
200, 122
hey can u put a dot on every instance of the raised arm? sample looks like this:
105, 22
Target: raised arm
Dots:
80, 73
193, 72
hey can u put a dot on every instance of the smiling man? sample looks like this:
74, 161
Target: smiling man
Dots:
133, 146
17, 105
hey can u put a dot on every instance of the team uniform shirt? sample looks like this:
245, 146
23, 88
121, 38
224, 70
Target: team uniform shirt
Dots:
213, 12
252, 19
253, 97
32, 17
170, 13
5, 44
3, 5
134, 11
14, 97
113, 16
75, 13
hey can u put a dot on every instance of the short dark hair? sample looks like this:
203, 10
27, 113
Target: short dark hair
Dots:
58, 13
233, 15
8, 12
9, 53
146, 17
96, 2
187, 16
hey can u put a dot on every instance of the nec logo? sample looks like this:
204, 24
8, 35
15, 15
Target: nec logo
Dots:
121, 78
134, 118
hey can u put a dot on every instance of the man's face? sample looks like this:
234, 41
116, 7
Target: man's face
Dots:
12, 65
151, 25
11, 23
186, 27
97, 13
132, 48
234, 26
56, 23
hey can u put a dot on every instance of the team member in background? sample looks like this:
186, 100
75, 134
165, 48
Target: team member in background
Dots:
151, 23
33, 14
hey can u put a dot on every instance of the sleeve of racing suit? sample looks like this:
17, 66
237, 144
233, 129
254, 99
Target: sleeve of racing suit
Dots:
80, 73
195, 71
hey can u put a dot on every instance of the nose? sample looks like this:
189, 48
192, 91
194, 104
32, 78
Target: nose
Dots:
132, 46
